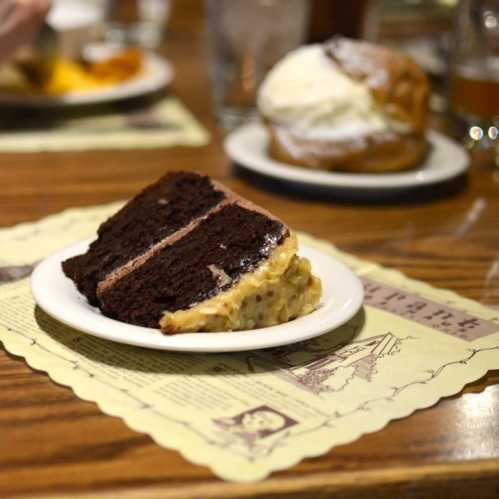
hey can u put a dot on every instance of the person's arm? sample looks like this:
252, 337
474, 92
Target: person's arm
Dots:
20, 20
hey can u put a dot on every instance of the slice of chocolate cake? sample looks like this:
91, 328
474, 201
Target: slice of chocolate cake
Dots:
187, 254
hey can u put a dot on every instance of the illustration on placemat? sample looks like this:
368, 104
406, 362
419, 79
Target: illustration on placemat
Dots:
322, 369
252, 430
255, 424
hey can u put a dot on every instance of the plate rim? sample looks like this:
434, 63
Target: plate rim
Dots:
165, 73
351, 306
264, 165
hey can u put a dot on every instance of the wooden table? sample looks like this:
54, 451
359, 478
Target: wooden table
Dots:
53, 444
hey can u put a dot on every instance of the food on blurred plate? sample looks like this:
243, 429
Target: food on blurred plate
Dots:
346, 105
73, 76
189, 255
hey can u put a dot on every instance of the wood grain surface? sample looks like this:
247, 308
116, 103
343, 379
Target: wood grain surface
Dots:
54, 445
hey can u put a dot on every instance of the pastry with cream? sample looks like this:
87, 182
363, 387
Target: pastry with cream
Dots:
346, 105
189, 255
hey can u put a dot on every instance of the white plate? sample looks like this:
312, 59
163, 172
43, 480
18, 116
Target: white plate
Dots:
247, 146
56, 294
156, 74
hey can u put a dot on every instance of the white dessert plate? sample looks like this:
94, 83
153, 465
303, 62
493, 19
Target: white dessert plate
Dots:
247, 146
57, 295
157, 73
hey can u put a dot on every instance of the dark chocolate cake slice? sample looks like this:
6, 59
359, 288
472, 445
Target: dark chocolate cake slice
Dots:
188, 254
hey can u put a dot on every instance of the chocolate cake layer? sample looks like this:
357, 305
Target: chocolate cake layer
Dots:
209, 259
157, 212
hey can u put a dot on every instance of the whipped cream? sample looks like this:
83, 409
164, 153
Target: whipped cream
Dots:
308, 93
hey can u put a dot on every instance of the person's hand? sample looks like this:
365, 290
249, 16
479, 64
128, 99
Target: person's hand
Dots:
20, 20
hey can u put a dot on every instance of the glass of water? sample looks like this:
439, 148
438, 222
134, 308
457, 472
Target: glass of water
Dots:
137, 22
247, 37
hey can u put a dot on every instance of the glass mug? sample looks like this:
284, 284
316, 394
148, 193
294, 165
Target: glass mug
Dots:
474, 72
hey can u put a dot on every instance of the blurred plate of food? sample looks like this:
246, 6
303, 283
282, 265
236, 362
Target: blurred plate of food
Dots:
248, 147
346, 114
101, 74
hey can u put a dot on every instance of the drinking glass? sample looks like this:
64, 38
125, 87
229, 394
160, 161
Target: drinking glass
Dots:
247, 37
474, 73
420, 28
137, 22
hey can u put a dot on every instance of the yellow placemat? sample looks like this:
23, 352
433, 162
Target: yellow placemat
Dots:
138, 124
245, 415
